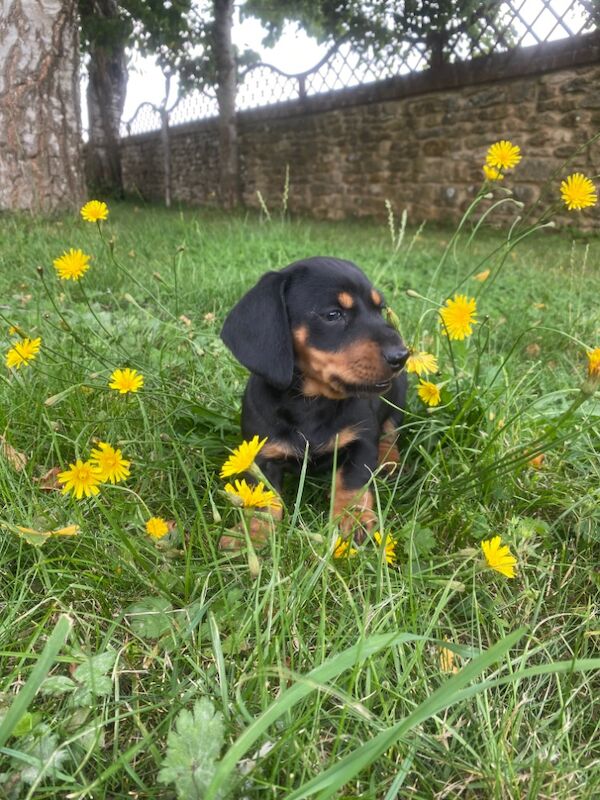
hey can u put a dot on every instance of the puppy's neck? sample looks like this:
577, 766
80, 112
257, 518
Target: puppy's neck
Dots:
313, 387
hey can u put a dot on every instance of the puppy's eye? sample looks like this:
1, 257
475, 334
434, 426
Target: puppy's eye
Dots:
334, 315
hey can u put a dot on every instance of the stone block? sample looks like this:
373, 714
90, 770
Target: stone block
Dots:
591, 100
580, 85
487, 97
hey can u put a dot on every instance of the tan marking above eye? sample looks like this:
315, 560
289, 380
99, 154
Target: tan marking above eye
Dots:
346, 300
376, 297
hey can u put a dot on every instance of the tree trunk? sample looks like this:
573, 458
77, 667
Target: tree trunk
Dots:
436, 42
40, 125
106, 91
229, 190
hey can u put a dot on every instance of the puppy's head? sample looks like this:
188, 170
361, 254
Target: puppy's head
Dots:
323, 318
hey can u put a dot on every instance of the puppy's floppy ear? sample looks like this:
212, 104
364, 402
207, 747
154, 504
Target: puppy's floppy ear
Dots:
257, 331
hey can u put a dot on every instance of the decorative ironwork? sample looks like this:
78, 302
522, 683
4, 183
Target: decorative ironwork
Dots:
517, 23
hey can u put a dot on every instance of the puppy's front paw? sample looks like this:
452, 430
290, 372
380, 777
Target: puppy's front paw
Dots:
233, 541
356, 515
357, 523
260, 530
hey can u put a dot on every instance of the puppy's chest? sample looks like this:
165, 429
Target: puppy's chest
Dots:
323, 432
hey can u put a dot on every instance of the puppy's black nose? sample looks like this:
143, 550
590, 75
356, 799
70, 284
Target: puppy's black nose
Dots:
396, 357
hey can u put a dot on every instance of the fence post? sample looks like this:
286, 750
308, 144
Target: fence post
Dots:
302, 86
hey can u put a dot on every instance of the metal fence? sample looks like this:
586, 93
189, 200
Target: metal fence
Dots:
516, 23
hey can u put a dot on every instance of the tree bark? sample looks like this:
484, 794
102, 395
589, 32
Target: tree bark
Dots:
106, 92
40, 121
436, 41
229, 190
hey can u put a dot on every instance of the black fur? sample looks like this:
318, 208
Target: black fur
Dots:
259, 331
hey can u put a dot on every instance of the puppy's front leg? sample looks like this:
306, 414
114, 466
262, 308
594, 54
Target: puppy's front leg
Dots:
260, 527
388, 447
353, 503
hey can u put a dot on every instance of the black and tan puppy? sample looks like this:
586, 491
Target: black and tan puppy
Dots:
321, 355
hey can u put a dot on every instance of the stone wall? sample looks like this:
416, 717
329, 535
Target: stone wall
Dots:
418, 140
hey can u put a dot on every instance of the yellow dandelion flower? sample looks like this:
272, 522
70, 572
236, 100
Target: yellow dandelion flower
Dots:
21, 353
503, 155
429, 393
242, 457
72, 265
253, 496
110, 462
594, 363
157, 527
458, 316
343, 548
482, 276
82, 478
492, 174
422, 363
389, 547
94, 210
578, 192
126, 380
499, 557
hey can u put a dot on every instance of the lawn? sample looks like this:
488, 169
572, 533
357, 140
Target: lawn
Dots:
431, 676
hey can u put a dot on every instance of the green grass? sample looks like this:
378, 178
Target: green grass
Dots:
155, 628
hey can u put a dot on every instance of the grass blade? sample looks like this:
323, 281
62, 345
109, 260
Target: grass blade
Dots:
328, 783
304, 685
44, 663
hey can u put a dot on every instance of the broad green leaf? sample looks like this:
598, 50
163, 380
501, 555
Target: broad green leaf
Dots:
27, 723
92, 678
192, 751
45, 757
149, 618
57, 684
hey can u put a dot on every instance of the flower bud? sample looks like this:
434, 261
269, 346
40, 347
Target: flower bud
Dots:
253, 563
392, 318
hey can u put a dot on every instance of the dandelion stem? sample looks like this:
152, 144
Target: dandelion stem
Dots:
132, 277
67, 324
145, 565
93, 313
454, 237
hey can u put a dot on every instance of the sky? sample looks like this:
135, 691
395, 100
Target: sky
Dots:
294, 52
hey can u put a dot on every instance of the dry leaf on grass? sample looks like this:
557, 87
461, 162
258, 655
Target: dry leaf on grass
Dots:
447, 660
17, 460
39, 538
49, 481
